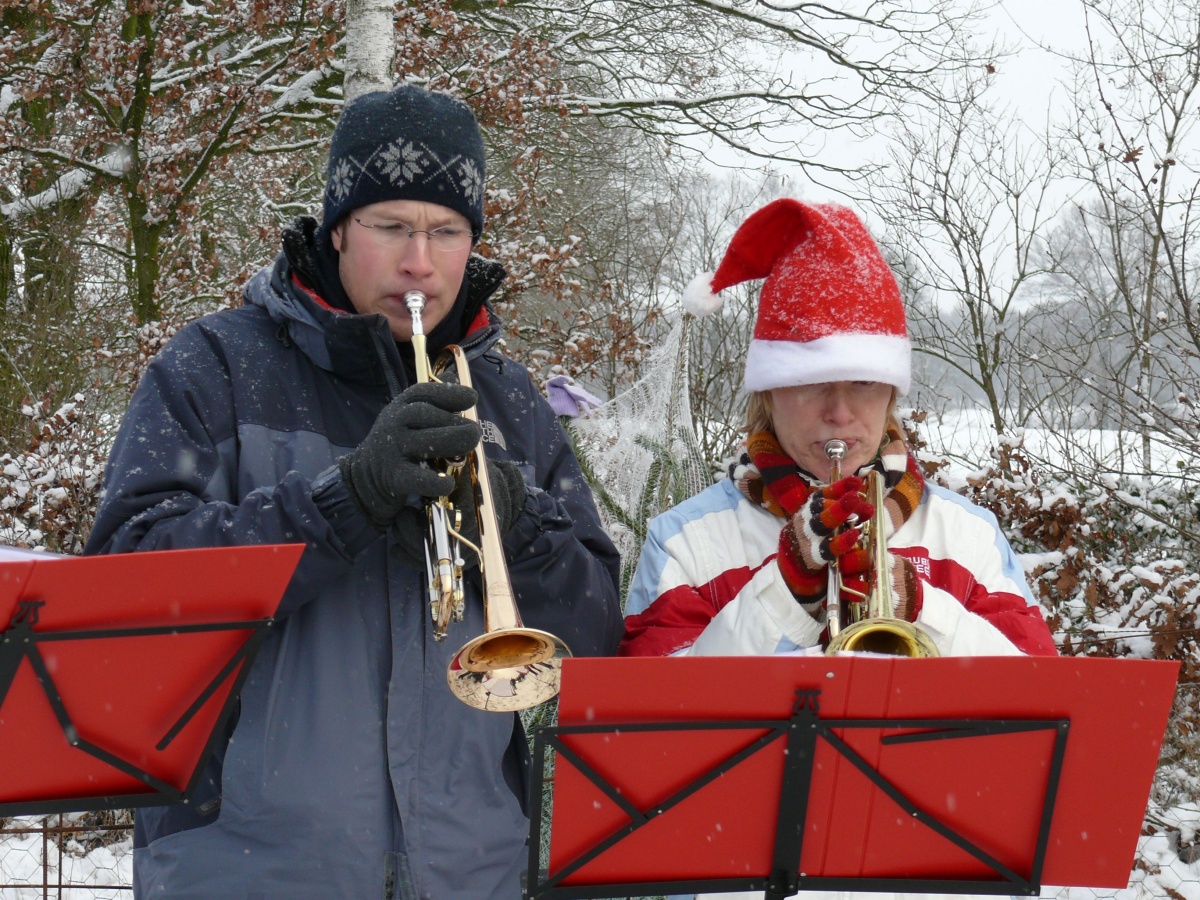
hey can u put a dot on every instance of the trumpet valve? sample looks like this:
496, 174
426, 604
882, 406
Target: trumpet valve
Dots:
445, 598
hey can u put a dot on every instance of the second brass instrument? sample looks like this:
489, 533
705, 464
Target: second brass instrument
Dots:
869, 624
508, 667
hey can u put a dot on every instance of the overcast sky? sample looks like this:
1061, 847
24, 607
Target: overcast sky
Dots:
1031, 77
1030, 80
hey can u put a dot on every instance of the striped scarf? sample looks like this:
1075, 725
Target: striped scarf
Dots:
771, 479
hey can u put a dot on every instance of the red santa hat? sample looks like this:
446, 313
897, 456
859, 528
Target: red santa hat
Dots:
830, 308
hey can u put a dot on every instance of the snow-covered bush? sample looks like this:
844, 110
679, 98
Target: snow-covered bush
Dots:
49, 488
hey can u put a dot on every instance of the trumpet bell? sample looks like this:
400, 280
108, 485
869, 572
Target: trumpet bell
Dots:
887, 636
508, 648
508, 670
878, 630
509, 667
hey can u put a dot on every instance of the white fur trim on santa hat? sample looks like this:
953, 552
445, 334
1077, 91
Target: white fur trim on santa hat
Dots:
699, 298
838, 357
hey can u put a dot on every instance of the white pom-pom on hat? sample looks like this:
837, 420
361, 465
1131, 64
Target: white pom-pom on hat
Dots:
699, 298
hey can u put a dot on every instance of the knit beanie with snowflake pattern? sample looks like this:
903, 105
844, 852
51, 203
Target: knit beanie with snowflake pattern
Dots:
405, 144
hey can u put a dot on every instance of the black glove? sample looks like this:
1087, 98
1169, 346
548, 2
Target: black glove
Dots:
508, 499
421, 425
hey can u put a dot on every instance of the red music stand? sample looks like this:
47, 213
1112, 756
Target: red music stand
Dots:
118, 672
785, 774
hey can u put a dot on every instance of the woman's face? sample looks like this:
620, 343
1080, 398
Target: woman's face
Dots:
807, 415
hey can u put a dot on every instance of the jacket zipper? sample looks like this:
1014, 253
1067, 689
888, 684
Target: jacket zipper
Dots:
389, 372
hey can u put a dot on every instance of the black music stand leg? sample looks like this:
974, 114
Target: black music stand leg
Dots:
16, 641
784, 880
778, 895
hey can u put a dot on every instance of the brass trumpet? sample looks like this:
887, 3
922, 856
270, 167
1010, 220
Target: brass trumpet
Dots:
508, 667
868, 623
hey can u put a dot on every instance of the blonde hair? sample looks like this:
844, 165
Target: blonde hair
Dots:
760, 413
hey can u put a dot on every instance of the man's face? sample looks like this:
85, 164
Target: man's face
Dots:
378, 260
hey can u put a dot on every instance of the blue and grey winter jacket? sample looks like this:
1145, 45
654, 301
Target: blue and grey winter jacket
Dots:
351, 770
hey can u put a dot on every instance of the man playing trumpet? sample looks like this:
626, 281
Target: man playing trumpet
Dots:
351, 769
744, 566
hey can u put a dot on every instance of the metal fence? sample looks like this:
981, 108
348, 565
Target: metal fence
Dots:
74, 856
89, 856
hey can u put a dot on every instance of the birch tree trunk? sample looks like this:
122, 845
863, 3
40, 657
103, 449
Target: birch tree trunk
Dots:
370, 47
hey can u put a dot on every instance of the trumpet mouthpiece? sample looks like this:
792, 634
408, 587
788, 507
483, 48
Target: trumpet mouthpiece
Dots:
414, 302
835, 449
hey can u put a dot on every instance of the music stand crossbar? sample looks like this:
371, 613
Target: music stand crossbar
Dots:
802, 731
20, 642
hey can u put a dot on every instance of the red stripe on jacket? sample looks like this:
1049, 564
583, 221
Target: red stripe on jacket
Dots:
1010, 613
676, 618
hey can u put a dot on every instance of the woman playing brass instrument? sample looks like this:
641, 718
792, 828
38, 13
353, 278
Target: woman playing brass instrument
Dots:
744, 566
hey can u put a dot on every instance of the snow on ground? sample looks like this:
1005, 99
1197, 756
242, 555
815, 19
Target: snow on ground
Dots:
967, 436
1158, 870
104, 873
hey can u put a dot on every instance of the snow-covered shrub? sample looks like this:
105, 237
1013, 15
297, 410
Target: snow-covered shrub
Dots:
49, 488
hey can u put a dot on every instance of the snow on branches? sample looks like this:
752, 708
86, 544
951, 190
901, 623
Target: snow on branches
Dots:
144, 104
49, 488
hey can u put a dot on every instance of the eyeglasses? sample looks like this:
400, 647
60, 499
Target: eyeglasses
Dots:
395, 235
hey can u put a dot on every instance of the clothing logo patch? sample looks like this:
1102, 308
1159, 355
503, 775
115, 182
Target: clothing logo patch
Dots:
921, 565
492, 434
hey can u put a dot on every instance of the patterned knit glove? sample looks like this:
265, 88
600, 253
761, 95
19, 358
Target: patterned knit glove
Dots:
827, 527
